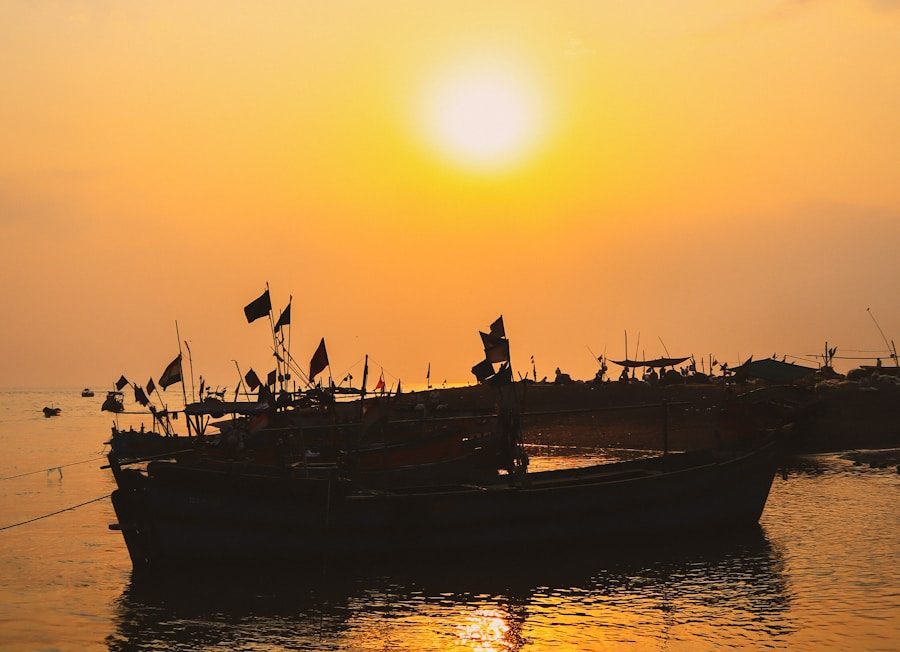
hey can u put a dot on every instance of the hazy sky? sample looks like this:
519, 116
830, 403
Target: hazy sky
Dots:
722, 174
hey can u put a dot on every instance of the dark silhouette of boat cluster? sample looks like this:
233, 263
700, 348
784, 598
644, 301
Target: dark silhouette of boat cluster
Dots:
329, 471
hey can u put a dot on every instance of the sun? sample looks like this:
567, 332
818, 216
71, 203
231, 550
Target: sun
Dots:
484, 118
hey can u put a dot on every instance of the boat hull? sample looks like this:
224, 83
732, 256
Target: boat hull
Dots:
181, 515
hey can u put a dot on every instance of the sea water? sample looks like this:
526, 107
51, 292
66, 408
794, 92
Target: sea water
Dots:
819, 573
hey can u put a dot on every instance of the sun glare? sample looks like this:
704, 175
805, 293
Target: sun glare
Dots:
486, 119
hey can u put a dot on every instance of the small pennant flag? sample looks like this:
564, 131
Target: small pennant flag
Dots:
151, 386
121, 383
140, 397
319, 360
496, 349
271, 378
252, 379
483, 370
284, 319
380, 385
259, 307
497, 328
171, 374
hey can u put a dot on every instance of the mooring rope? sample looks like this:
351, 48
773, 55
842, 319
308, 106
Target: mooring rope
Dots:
52, 468
59, 511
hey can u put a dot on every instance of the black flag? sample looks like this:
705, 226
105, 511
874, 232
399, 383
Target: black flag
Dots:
121, 383
496, 349
497, 329
319, 360
171, 374
252, 379
150, 386
259, 307
483, 370
271, 378
503, 375
140, 397
284, 319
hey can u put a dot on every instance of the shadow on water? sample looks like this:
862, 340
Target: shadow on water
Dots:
326, 604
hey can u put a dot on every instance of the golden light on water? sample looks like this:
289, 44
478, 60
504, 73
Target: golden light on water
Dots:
483, 116
485, 630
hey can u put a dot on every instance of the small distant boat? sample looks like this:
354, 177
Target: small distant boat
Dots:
51, 412
87, 392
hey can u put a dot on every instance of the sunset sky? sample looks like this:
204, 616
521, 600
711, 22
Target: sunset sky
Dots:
721, 174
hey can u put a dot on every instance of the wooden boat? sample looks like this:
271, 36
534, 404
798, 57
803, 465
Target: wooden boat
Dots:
134, 444
87, 392
114, 402
52, 411
181, 512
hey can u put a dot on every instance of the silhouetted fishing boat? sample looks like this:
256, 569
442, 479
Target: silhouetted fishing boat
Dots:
87, 392
114, 402
178, 512
51, 411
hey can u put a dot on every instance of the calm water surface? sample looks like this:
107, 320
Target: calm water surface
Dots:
820, 572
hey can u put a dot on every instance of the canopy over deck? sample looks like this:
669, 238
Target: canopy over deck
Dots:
658, 362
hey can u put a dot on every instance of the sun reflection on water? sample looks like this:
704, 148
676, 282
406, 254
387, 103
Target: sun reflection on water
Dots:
485, 630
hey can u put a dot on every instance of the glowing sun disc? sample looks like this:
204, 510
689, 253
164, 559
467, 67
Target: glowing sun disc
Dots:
483, 119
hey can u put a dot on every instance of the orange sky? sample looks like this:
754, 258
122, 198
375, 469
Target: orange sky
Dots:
724, 175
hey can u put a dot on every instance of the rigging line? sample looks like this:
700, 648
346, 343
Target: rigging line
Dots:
371, 359
800, 357
52, 468
59, 511
350, 368
846, 357
863, 350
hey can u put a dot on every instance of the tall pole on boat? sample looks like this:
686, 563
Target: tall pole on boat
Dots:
892, 352
187, 419
191, 367
240, 379
292, 364
279, 378
636, 349
288, 350
362, 392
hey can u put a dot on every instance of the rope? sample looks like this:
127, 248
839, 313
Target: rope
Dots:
52, 468
59, 511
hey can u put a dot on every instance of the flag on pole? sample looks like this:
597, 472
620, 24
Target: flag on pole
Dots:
150, 386
497, 329
140, 397
171, 374
319, 360
483, 370
121, 383
496, 349
252, 379
271, 378
259, 307
380, 384
284, 319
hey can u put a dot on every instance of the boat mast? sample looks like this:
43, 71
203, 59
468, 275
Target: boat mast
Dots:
187, 419
892, 350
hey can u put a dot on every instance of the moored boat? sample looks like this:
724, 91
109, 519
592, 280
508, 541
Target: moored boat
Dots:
178, 512
52, 411
87, 392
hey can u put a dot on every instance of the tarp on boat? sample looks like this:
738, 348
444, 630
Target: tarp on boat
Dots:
773, 371
658, 362
216, 408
